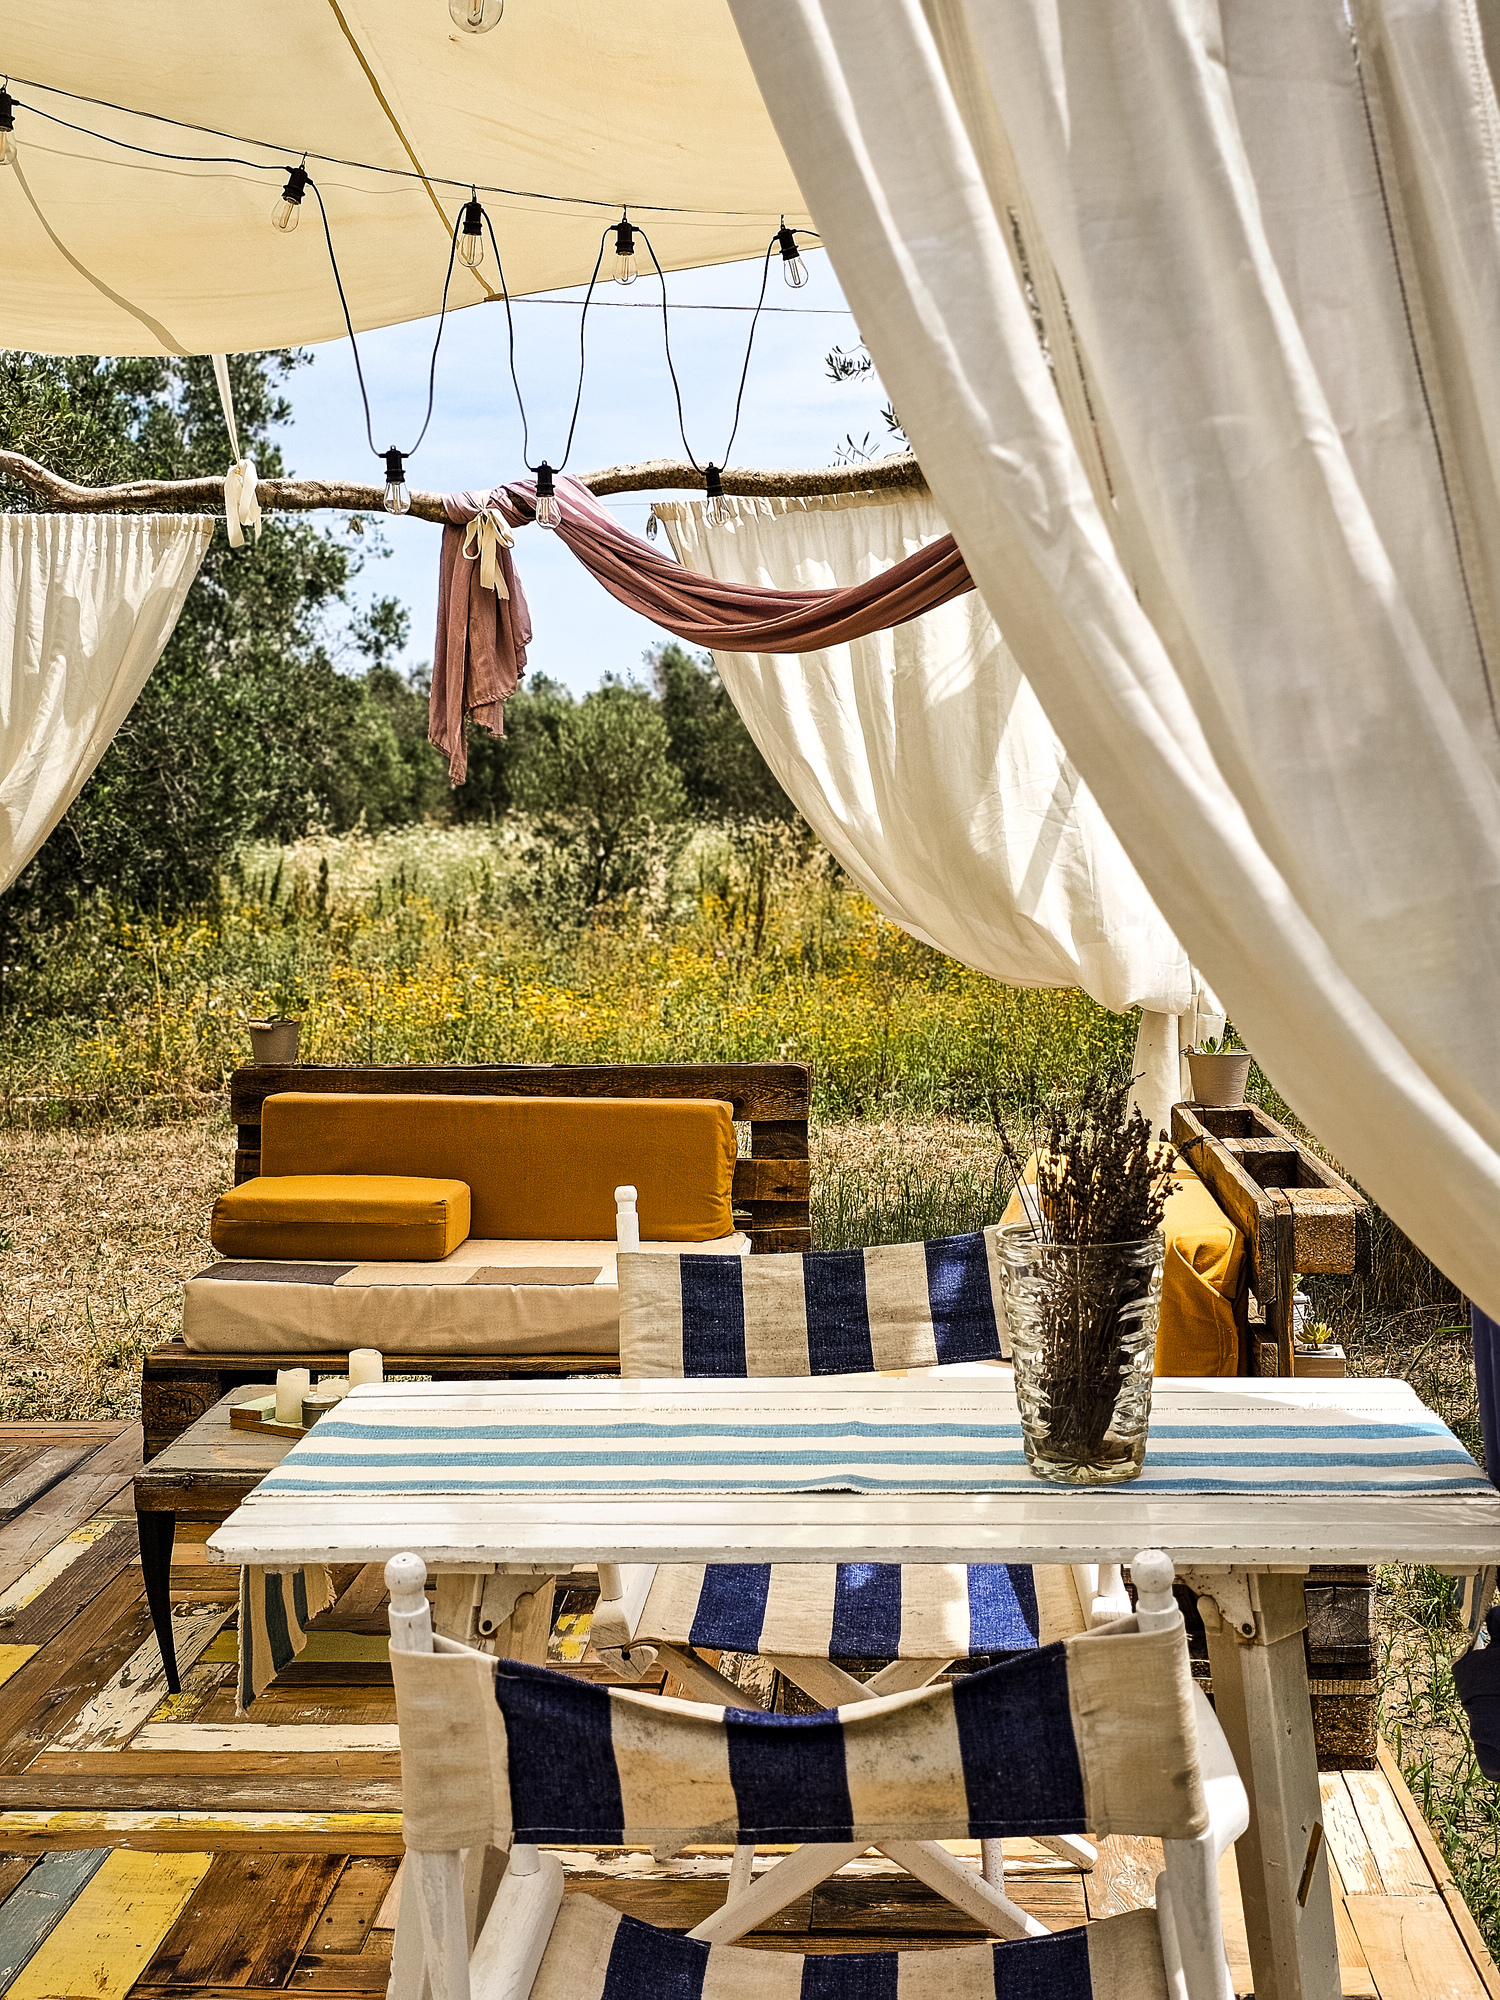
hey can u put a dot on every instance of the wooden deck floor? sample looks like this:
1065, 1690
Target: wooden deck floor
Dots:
152, 1846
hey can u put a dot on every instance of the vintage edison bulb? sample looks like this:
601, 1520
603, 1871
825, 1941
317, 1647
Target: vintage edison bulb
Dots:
476, 17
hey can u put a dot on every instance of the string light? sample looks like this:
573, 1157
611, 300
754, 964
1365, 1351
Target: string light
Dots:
715, 507
471, 241
476, 17
397, 499
7, 129
548, 512
288, 211
792, 267
625, 269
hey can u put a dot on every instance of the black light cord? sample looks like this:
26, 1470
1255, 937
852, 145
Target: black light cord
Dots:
329, 159
364, 393
666, 340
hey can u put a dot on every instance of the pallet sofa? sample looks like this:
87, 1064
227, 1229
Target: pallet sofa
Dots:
521, 1164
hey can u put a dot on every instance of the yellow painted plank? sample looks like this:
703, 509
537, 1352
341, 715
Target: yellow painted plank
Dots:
106, 1941
12, 1659
322, 1649
51, 1566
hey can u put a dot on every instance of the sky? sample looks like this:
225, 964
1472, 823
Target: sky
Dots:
793, 415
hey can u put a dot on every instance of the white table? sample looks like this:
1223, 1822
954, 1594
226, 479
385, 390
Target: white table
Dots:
546, 1474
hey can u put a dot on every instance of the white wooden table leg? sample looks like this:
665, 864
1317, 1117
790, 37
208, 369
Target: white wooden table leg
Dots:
1262, 1702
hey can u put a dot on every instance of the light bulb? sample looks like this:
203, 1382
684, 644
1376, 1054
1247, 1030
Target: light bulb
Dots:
471, 241
792, 267
715, 507
397, 499
288, 211
625, 270
548, 513
7, 130
476, 17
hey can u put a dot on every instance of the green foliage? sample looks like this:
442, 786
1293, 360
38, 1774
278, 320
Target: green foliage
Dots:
606, 804
248, 727
723, 774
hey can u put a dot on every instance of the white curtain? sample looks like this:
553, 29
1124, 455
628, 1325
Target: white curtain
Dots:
1237, 509
87, 602
922, 760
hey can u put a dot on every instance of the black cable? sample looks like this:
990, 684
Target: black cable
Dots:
329, 159
510, 323
666, 337
364, 393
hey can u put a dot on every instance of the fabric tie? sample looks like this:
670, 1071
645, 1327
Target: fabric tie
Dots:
241, 508
484, 537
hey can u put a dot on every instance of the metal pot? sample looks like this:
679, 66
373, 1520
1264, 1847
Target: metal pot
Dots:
274, 1043
1220, 1079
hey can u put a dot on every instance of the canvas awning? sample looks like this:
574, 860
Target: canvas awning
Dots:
576, 109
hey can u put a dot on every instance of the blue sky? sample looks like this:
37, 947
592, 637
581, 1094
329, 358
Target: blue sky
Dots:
792, 415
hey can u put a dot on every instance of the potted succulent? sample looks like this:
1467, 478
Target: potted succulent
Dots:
1080, 1280
1220, 1069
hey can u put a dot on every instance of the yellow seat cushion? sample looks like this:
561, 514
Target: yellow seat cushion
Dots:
330, 1217
1202, 1272
535, 1166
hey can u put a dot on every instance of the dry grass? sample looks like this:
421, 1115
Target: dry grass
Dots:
99, 1230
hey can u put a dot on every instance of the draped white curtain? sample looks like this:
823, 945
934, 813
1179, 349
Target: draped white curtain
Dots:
1237, 511
87, 602
922, 760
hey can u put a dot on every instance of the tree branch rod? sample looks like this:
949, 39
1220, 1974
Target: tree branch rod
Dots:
652, 475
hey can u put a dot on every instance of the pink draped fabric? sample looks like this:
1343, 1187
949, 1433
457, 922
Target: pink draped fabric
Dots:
479, 655
729, 617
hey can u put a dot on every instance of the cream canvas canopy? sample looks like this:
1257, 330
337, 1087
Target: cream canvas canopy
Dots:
559, 115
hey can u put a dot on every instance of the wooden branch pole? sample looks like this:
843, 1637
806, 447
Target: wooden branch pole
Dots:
652, 475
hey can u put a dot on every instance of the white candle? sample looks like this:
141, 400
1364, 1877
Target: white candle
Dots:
365, 1365
291, 1386
627, 1221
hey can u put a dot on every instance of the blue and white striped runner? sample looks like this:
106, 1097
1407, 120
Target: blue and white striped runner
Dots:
526, 1447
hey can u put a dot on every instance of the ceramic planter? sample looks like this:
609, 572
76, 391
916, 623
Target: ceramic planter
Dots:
1220, 1079
274, 1043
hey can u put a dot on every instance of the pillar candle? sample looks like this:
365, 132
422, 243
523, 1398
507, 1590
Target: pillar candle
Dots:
365, 1365
291, 1386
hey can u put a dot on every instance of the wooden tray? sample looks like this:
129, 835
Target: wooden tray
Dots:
255, 1415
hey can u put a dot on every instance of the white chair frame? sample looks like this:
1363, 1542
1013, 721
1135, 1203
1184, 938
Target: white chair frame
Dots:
464, 1938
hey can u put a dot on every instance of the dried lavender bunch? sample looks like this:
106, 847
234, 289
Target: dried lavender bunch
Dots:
1099, 1187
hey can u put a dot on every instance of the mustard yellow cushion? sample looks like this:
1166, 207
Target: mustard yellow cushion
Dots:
1200, 1280
363, 1217
535, 1166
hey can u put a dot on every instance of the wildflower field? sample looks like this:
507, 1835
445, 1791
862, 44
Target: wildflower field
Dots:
428, 945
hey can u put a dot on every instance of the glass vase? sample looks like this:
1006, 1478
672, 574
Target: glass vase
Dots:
1082, 1321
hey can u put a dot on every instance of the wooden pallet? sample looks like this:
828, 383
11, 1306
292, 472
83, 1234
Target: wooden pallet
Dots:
148, 1847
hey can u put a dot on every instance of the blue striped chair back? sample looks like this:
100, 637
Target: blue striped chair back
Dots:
818, 1312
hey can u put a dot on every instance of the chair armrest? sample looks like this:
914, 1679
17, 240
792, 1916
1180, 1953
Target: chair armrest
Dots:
616, 1618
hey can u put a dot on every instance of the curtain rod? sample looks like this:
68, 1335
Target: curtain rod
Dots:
652, 475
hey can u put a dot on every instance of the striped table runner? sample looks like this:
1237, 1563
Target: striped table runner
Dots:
844, 1443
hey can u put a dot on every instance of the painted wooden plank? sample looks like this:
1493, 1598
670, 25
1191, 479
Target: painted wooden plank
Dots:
340, 1973
193, 1737
41, 1699
113, 1927
126, 1700
168, 1830
350, 1914
29, 1914
322, 1649
52, 1565
12, 1659
1124, 1876
14, 1868
248, 1922
1347, 1839
1403, 1872
96, 1563
390, 1909
87, 1491
1412, 1948
1448, 1889
39, 1472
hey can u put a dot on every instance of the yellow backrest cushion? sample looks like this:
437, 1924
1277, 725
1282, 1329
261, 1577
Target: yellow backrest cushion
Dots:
330, 1217
534, 1166
1200, 1281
